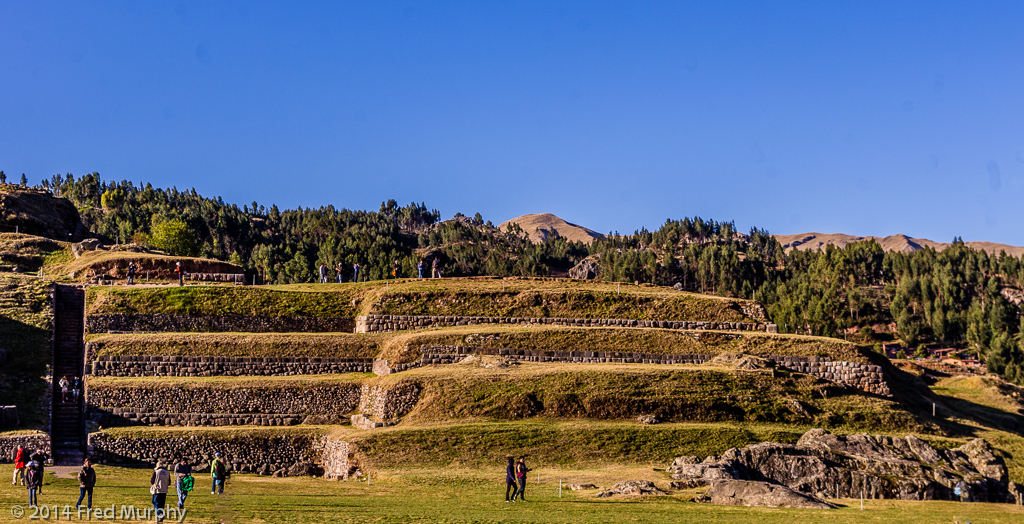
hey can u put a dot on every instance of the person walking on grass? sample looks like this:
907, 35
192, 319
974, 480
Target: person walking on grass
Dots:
86, 481
184, 481
219, 472
181, 273
20, 458
33, 481
521, 471
510, 480
159, 481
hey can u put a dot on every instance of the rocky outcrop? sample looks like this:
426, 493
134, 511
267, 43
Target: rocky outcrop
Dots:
216, 323
632, 487
826, 465
754, 493
89, 244
587, 269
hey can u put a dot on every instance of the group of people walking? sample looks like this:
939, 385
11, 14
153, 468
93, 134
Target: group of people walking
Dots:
28, 471
70, 387
396, 271
515, 479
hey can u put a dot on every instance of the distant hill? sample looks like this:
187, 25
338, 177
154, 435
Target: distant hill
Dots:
903, 243
540, 226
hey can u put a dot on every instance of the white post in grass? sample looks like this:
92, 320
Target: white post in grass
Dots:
933, 409
538, 478
559, 488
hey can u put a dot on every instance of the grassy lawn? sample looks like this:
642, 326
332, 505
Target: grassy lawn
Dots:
456, 495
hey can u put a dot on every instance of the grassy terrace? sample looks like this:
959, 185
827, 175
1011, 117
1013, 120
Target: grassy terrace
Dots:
469, 296
261, 345
25, 317
405, 346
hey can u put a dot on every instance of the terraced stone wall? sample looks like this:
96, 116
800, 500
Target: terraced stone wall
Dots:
382, 323
131, 323
172, 366
9, 444
261, 406
868, 378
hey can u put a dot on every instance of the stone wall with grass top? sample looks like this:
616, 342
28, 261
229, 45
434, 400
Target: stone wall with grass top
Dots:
31, 442
383, 323
241, 402
159, 322
175, 366
868, 378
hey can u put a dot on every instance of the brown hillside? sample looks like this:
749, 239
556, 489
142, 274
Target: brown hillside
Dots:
37, 212
806, 241
540, 226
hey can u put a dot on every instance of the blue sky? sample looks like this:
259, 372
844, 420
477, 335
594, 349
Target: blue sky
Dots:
869, 118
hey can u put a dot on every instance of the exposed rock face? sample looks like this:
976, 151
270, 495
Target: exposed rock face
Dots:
89, 244
587, 269
754, 493
633, 487
38, 212
827, 465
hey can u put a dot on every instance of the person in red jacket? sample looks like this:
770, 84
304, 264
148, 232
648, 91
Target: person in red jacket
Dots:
20, 456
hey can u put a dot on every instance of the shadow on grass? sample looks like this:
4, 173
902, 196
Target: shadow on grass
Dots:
21, 377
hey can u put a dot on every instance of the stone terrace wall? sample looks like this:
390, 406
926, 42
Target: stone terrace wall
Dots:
171, 366
9, 444
865, 377
244, 453
379, 323
250, 401
216, 323
387, 404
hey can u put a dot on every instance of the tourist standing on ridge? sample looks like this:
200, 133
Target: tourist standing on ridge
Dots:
183, 481
435, 272
395, 270
181, 273
355, 272
159, 481
339, 270
132, 268
218, 471
521, 471
510, 480
20, 458
33, 481
323, 273
86, 481
419, 269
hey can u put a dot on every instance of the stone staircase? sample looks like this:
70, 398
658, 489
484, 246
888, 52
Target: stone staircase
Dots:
67, 427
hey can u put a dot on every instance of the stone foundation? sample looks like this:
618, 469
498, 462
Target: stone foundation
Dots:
381, 323
152, 366
250, 402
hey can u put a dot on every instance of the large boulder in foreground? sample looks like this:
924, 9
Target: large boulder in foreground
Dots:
835, 466
754, 493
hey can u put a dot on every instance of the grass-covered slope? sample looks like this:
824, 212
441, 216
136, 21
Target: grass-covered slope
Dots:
25, 323
260, 345
31, 253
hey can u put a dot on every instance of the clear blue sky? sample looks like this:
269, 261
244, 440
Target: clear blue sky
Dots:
868, 118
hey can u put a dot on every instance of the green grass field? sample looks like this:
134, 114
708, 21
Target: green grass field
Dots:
458, 495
